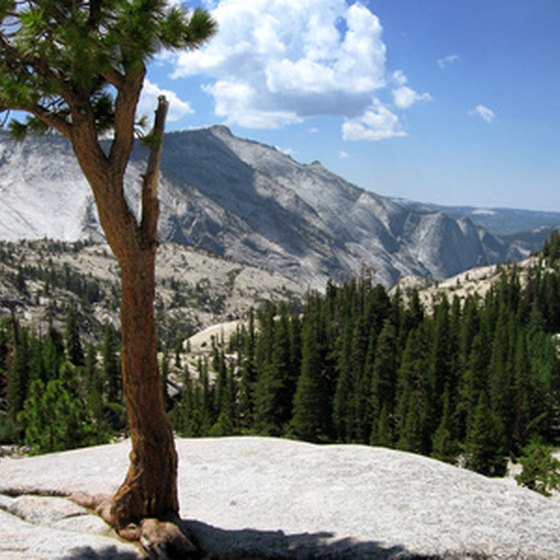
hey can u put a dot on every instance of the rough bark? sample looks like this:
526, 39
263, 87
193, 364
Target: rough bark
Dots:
150, 487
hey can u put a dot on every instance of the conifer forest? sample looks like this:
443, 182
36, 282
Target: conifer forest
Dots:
469, 381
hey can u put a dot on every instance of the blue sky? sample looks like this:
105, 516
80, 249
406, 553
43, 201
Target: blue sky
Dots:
445, 101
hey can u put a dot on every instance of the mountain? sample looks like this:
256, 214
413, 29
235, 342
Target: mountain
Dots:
526, 225
250, 202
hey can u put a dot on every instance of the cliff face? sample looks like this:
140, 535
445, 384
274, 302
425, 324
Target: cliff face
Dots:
251, 202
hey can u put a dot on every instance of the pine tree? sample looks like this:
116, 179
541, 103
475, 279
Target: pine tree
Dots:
310, 419
414, 406
523, 395
74, 349
78, 68
52, 353
248, 374
110, 363
55, 418
444, 444
273, 390
485, 448
383, 386
500, 379
382, 432
361, 382
473, 382
18, 378
343, 409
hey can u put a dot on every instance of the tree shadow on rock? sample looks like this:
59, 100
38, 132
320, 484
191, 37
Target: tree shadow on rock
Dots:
107, 553
251, 544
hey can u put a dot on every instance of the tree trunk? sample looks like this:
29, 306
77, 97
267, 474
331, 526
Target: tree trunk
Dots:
150, 487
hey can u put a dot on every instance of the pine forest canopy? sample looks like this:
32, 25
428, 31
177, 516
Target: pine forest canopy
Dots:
78, 67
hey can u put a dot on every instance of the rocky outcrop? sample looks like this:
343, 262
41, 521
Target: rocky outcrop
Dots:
263, 498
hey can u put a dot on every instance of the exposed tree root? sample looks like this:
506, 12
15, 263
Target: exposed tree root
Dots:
161, 539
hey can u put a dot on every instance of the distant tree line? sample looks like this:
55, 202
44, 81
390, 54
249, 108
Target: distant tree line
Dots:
473, 381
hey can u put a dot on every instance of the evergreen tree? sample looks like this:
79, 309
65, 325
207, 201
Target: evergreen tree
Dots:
74, 349
184, 413
95, 391
383, 386
18, 378
343, 409
110, 363
79, 68
382, 431
485, 448
311, 403
414, 406
248, 374
273, 388
52, 353
500, 379
54, 417
541, 470
361, 383
444, 444
473, 382
441, 361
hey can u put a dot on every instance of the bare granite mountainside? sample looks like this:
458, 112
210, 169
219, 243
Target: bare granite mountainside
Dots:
250, 202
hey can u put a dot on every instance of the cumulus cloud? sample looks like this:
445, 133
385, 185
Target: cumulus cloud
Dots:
486, 114
404, 96
277, 62
447, 60
148, 102
377, 123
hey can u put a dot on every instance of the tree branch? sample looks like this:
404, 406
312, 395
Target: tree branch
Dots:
150, 202
48, 117
113, 77
52, 120
23, 62
125, 117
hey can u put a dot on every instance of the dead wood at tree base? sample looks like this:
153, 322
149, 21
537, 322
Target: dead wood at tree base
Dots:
159, 538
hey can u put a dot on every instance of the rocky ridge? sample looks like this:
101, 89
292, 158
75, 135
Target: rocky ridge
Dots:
250, 202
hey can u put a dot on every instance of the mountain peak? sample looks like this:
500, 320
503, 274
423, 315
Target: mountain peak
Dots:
242, 199
220, 129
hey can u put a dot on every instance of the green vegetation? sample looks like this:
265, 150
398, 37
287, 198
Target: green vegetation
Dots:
541, 471
53, 396
474, 381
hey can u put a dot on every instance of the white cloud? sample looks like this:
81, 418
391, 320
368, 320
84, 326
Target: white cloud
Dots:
484, 113
447, 60
277, 62
343, 155
377, 123
148, 102
405, 97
